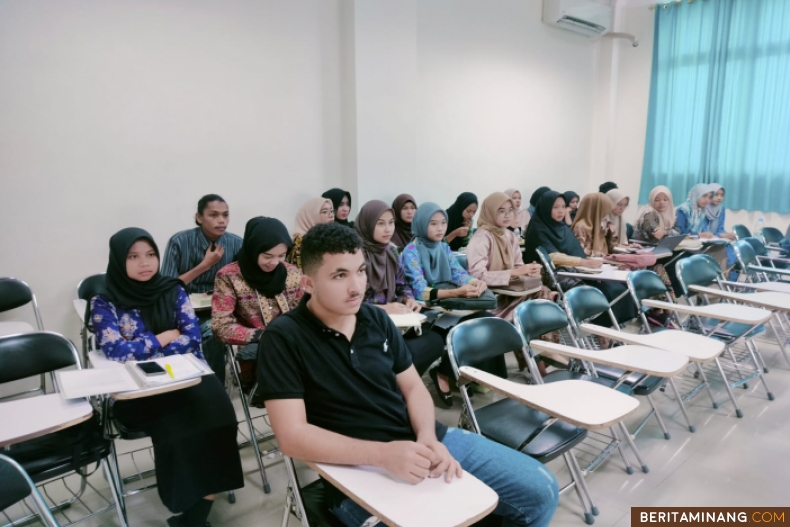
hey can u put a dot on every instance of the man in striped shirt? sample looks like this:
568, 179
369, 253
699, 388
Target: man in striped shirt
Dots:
195, 256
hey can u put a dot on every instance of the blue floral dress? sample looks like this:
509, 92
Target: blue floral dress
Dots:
410, 260
122, 336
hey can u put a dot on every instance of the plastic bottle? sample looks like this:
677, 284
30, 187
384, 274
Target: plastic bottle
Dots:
758, 231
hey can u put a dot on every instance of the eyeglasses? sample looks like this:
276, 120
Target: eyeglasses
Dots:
506, 212
327, 212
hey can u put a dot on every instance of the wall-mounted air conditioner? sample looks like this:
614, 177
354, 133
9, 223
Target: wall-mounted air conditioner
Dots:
580, 16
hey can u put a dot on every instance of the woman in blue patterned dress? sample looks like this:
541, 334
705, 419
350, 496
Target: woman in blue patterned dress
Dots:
142, 315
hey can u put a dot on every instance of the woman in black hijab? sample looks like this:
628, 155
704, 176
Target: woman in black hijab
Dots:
141, 315
571, 206
459, 221
533, 199
341, 200
547, 229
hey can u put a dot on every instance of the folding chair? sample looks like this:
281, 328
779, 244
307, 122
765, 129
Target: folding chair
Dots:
531, 419
43, 458
536, 318
764, 256
725, 322
585, 303
87, 289
13, 294
461, 257
551, 271
772, 235
741, 231
16, 485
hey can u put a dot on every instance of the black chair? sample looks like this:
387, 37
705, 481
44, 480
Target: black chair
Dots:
65, 452
536, 318
629, 230
507, 421
461, 257
741, 231
14, 294
772, 235
86, 290
16, 485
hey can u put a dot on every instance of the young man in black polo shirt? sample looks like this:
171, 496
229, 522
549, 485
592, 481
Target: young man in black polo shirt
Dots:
340, 388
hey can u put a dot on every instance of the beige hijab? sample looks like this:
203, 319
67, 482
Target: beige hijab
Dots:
593, 211
521, 219
309, 215
616, 196
668, 216
501, 259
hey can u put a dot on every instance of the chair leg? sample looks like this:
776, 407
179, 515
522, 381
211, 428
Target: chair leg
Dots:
253, 436
658, 417
112, 479
780, 339
760, 375
628, 468
738, 411
585, 488
588, 516
631, 444
293, 496
682, 405
701, 371
736, 365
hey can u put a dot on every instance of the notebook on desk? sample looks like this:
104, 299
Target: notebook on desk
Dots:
116, 377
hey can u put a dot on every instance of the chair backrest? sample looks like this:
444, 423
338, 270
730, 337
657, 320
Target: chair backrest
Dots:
30, 354
710, 260
545, 259
645, 284
535, 318
629, 230
585, 302
741, 231
16, 485
480, 339
757, 245
772, 235
745, 253
13, 294
462, 260
695, 270
91, 286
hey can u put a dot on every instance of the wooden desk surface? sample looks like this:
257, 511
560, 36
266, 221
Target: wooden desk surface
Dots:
697, 348
640, 359
581, 403
24, 419
432, 502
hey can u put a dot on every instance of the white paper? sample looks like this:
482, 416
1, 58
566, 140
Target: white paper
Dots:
408, 320
84, 383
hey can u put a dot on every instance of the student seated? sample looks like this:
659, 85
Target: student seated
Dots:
494, 255
534, 198
253, 291
433, 272
460, 223
340, 387
692, 220
313, 212
715, 214
656, 219
341, 200
194, 256
143, 314
521, 218
387, 287
549, 230
571, 206
405, 206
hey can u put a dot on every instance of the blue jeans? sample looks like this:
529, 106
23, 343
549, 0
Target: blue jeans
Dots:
527, 491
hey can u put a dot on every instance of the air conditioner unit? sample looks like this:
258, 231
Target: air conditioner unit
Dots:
580, 16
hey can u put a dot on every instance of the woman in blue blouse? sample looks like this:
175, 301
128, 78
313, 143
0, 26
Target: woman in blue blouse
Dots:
714, 217
428, 261
692, 219
387, 287
142, 315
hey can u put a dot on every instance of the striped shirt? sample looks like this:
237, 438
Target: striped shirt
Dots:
186, 250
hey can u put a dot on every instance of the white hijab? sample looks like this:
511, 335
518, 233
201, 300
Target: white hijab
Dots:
616, 196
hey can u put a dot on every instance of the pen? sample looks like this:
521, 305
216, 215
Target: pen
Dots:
170, 371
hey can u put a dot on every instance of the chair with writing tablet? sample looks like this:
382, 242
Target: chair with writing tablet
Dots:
86, 290
551, 271
537, 318
772, 235
16, 485
543, 421
15, 294
52, 438
741, 231
764, 256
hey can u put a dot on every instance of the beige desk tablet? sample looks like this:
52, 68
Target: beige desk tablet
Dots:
767, 299
724, 312
24, 419
99, 360
640, 359
517, 294
778, 287
697, 348
432, 502
13, 327
608, 275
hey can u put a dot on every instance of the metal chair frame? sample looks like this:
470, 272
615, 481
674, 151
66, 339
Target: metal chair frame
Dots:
41, 507
42, 387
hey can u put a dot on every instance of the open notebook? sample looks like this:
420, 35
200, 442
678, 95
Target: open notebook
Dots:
114, 377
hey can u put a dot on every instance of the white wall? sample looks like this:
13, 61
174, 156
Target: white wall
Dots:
123, 113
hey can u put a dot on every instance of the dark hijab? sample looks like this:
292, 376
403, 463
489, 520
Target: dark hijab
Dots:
260, 235
402, 235
381, 259
533, 200
155, 298
553, 236
337, 195
569, 195
455, 216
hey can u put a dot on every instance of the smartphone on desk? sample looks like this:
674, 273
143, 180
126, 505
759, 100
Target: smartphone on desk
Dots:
151, 369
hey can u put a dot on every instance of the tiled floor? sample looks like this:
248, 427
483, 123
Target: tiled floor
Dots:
728, 461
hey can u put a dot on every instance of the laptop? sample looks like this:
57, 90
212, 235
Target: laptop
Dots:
664, 248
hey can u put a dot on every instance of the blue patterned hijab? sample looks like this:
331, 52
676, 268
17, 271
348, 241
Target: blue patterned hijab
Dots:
693, 212
433, 256
714, 211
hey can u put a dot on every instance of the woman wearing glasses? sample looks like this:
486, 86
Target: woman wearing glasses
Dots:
313, 212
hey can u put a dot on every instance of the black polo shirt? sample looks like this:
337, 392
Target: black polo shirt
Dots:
348, 387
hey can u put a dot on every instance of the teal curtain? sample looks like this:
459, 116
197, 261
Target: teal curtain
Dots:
719, 109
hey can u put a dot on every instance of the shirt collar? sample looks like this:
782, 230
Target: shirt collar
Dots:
318, 325
202, 236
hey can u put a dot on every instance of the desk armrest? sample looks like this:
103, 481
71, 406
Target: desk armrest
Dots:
772, 270
724, 312
619, 336
581, 403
